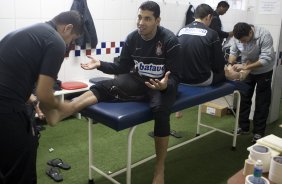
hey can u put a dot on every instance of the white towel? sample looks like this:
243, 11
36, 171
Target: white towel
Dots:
271, 141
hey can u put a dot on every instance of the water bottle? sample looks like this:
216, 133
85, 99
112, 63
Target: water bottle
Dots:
258, 168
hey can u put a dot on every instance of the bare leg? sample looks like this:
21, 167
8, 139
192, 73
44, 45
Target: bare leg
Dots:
231, 74
244, 74
161, 144
84, 100
66, 109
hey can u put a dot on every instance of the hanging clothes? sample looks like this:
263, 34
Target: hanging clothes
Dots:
90, 35
189, 15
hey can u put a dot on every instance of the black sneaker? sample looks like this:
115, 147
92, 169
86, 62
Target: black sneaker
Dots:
240, 131
256, 137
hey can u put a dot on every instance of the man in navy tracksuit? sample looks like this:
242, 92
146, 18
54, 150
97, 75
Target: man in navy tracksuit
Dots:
202, 59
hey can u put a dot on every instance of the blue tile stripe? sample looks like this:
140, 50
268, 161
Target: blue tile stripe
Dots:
102, 48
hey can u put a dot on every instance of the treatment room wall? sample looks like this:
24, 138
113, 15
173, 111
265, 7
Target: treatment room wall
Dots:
114, 19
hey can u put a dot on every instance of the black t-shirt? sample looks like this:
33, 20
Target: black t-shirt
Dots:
24, 54
217, 26
201, 53
148, 59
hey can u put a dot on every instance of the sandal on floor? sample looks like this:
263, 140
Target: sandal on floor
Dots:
57, 162
54, 173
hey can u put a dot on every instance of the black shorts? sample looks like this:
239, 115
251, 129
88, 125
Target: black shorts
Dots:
122, 88
129, 87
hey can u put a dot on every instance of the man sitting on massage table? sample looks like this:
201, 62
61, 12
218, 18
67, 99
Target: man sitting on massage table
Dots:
202, 57
203, 62
147, 68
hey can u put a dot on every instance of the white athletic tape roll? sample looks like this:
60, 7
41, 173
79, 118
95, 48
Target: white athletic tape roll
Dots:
248, 167
275, 171
259, 152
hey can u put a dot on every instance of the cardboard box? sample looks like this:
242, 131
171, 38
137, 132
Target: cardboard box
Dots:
214, 109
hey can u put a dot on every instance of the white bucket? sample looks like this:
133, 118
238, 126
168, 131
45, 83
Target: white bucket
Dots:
275, 171
248, 180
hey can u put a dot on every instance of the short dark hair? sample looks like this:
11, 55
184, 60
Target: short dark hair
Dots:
71, 17
223, 4
241, 29
202, 11
151, 6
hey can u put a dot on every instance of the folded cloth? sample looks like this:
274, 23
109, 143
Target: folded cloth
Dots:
271, 141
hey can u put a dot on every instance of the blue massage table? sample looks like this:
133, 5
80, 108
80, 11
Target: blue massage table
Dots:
127, 115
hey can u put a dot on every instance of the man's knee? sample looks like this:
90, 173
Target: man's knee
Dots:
162, 125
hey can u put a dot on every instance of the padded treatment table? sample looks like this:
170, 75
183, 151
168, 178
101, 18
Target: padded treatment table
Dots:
123, 115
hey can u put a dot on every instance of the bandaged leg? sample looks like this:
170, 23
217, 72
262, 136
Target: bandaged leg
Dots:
244, 74
231, 74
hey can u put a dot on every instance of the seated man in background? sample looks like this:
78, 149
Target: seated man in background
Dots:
201, 54
255, 45
147, 68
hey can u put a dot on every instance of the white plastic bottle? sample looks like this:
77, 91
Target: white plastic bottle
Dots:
258, 172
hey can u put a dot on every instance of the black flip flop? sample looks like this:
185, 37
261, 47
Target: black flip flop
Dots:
172, 133
57, 162
54, 173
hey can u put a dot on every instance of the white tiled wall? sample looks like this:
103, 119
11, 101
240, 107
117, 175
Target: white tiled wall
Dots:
28, 9
7, 9
114, 19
